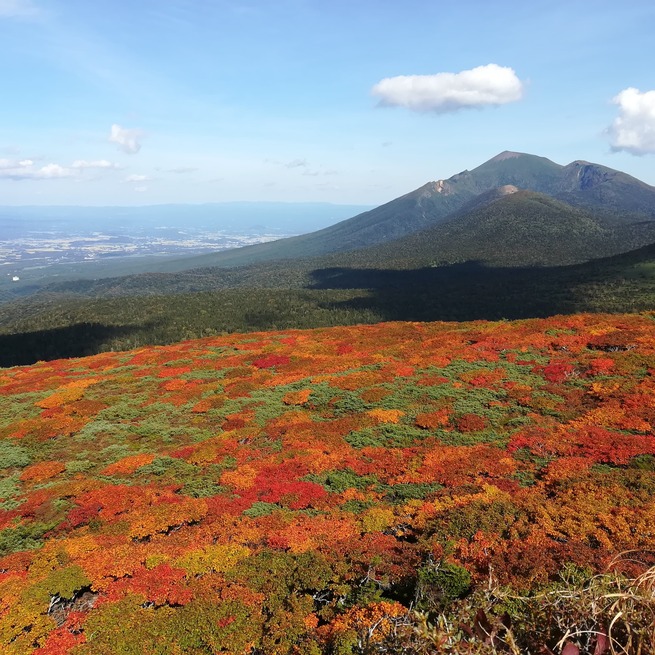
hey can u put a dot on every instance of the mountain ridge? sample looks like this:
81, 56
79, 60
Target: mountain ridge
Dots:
582, 184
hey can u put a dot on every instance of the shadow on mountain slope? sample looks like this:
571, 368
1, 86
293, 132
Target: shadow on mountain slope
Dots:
53, 326
77, 340
471, 291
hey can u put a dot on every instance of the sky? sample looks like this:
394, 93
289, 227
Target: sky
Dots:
116, 102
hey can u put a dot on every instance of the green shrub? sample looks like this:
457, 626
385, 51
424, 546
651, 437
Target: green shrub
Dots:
12, 455
438, 585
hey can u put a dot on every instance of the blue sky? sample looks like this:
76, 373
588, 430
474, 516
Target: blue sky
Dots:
159, 101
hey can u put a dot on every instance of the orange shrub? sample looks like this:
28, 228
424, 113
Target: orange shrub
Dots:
297, 397
386, 415
433, 420
42, 471
128, 464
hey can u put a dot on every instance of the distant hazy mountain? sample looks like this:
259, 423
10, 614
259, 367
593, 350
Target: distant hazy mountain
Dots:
277, 217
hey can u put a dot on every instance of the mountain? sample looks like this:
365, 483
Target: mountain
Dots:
621, 205
579, 183
585, 185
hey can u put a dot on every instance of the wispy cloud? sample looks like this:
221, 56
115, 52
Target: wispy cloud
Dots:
28, 169
297, 163
100, 163
18, 9
633, 130
138, 178
182, 169
489, 85
128, 140
302, 166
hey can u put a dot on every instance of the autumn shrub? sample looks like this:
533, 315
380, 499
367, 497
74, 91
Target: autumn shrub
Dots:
471, 423
473, 517
9, 492
387, 435
432, 420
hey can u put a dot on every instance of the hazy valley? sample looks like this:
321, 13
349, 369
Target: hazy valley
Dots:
39, 244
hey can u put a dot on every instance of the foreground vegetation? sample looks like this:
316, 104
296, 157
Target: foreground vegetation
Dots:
393, 488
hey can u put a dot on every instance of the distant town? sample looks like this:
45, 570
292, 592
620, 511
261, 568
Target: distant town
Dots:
44, 249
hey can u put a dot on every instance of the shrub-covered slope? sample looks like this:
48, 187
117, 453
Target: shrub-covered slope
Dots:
501, 228
300, 491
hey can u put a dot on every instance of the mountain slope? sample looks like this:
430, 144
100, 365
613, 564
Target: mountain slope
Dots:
517, 228
405, 215
590, 185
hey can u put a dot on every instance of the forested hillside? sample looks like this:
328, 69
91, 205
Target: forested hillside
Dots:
52, 326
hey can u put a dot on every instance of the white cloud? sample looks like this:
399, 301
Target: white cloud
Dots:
137, 178
128, 140
53, 170
6, 164
100, 163
17, 9
26, 170
483, 86
633, 130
